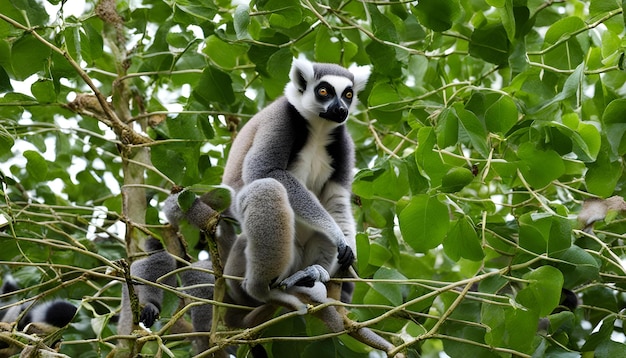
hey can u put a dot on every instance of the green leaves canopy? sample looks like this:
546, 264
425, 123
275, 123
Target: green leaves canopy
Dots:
484, 126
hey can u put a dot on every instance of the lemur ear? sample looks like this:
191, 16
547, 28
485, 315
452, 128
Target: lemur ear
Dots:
301, 72
361, 75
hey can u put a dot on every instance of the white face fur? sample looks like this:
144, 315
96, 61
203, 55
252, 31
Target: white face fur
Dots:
313, 97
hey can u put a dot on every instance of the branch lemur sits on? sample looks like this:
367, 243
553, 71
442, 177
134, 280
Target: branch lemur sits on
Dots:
290, 170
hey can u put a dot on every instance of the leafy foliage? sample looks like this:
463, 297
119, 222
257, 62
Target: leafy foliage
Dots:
484, 127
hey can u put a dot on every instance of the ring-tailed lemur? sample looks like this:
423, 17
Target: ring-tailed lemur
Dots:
291, 169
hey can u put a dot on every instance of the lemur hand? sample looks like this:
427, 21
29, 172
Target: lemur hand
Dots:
149, 315
345, 256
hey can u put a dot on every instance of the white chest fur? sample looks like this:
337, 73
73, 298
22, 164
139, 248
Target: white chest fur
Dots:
313, 165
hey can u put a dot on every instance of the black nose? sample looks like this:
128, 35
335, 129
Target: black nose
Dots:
337, 111
336, 114
340, 112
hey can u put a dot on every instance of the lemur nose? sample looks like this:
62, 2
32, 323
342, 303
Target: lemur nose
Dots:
340, 111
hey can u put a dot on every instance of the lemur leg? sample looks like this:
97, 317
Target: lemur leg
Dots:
267, 222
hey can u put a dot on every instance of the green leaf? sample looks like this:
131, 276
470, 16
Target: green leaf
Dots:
600, 7
586, 137
390, 180
177, 160
502, 115
44, 91
218, 197
509, 327
612, 119
5, 81
507, 17
600, 336
533, 233
490, 43
564, 28
329, 49
224, 54
543, 292
572, 86
241, 20
36, 165
568, 54
6, 141
521, 326
496, 3
544, 233
215, 87
385, 103
186, 198
91, 40
384, 97
456, 179
189, 12
603, 175
560, 235
382, 25
447, 128
540, 167
391, 291
362, 251
577, 266
560, 319
33, 10
438, 15
462, 241
424, 222
429, 162
472, 131
610, 349
380, 56
379, 255
283, 13
29, 56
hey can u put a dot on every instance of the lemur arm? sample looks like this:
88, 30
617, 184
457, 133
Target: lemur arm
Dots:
157, 264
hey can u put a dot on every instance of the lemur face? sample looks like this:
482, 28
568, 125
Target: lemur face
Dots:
324, 91
331, 98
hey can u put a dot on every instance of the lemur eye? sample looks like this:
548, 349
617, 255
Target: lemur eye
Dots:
349, 95
322, 91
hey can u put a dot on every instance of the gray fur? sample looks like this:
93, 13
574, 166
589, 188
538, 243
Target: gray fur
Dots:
325, 69
157, 265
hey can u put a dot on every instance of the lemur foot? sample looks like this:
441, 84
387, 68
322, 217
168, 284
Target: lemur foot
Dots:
306, 277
